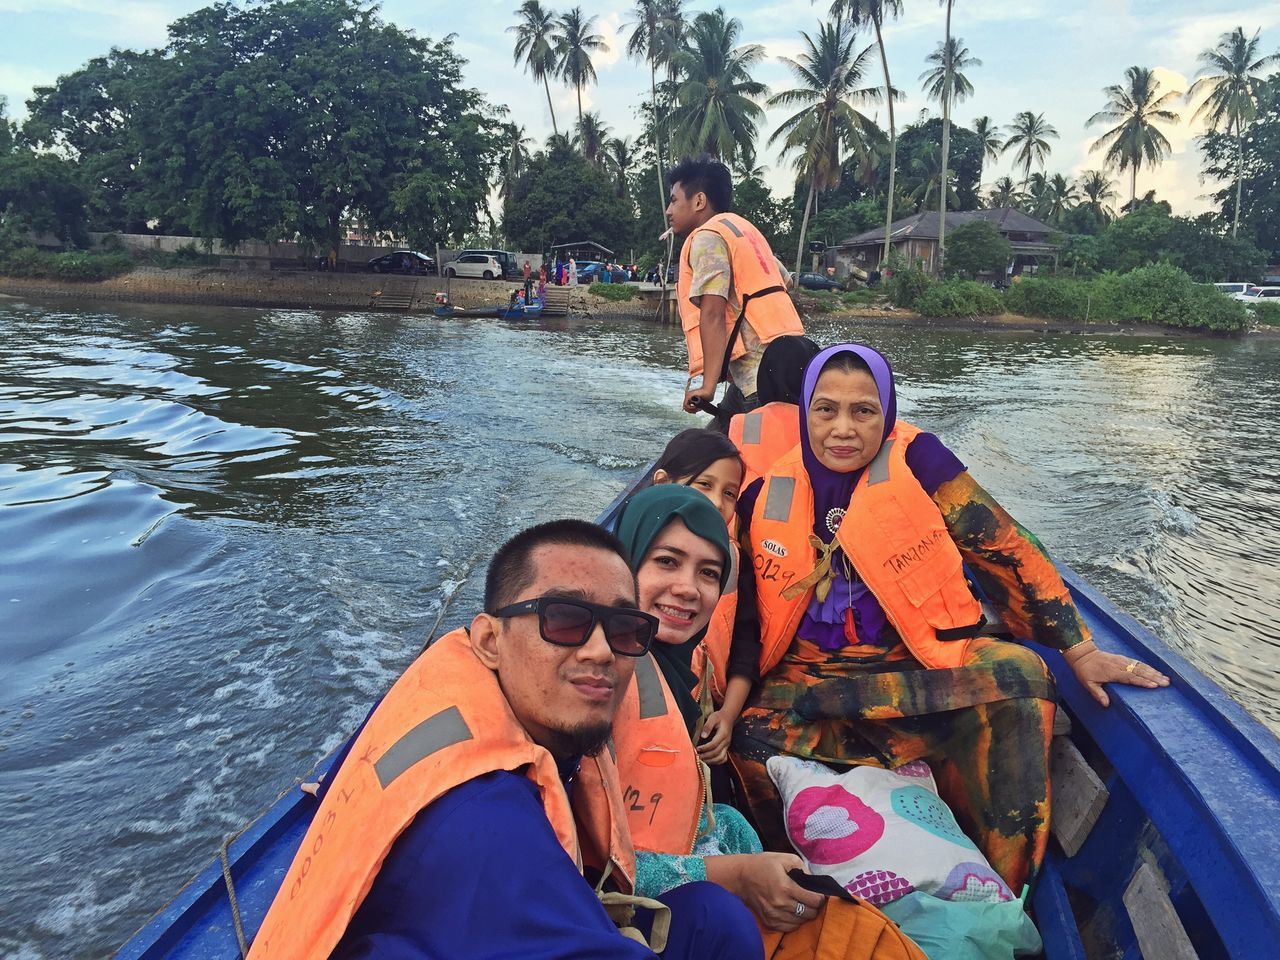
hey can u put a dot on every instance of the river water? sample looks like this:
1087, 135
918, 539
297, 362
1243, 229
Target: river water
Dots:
224, 532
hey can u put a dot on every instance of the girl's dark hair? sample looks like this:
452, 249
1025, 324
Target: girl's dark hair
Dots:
847, 361
692, 451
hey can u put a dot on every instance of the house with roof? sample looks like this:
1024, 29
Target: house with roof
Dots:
916, 238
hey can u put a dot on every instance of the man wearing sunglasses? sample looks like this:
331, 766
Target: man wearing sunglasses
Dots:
477, 813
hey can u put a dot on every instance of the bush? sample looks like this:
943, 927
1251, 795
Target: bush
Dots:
959, 298
76, 266
187, 255
976, 248
1267, 311
908, 283
859, 296
614, 291
1054, 299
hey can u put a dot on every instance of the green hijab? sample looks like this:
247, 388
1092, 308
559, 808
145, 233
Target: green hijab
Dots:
643, 517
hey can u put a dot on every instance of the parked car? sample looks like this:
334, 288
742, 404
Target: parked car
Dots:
1255, 294
403, 261
506, 260
816, 281
591, 270
474, 265
1231, 289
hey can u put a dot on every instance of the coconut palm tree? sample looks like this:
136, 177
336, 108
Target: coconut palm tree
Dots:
1029, 135
620, 157
874, 12
592, 134
934, 79
989, 136
716, 110
1138, 104
1095, 191
534, 45
831, 76
574, 44
646, 44
926, 165
1227, 79
516, 160
1004, 193
1059, 196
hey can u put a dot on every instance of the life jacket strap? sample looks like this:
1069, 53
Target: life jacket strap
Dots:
963, 633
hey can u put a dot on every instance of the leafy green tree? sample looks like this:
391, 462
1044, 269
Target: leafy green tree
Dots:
1258, 164
753, 199
619, 159
1096, 194
41, 192
1138, 105
562, 198
593, 134
1230, 88
918, 165
574, 45
1029, 137
716, 110
988, 134
1004, 193
535, 33
1060, 195
831, 74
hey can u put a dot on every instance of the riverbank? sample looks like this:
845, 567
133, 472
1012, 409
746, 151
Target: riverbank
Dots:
215, 286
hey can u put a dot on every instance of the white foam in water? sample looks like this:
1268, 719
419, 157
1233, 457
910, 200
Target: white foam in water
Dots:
84, 909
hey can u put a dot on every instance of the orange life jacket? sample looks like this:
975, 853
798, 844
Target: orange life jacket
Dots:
662, 788
764, 435
443, 723
756, 279
894, 536
711, 658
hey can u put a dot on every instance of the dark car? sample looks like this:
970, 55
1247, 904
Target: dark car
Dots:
403, 261
816, 281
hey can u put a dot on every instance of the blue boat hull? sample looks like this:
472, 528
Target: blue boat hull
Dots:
1189, 795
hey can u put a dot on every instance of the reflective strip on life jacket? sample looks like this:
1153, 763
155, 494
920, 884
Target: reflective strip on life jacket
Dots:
894, 536
660, 776
764, 435
757, 281
443, 723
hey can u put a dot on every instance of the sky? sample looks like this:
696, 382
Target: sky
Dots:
1038, 55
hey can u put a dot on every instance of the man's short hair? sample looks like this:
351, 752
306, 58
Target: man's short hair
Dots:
511, 570
704, 174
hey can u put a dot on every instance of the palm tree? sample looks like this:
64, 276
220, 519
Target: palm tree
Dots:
516, 161
1226, 76
927, 165
534, 45
874, 12
1138, 104
620, 157
1004, 193
1029, 134
592, 136
646, 43
989, 136
1059, 196
1033, 195
716, 110
831, 77
934, 79
574, 44
1095, 191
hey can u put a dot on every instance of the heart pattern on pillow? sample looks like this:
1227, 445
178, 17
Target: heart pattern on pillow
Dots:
831, 825
926, 810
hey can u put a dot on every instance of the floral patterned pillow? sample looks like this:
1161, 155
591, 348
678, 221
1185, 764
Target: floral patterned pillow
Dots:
881, 833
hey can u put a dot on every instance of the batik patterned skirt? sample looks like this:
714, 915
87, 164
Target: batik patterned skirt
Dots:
983, 727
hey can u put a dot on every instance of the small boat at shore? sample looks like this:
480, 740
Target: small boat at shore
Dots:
509, 311
1164, 812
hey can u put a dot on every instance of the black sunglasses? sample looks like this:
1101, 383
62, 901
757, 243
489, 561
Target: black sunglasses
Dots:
570, 623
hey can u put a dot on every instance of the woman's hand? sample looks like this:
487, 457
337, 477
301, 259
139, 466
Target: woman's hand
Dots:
760, 880
716, 733
1094, 667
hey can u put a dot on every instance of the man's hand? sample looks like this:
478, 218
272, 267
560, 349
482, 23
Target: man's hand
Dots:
760, 880
704, 392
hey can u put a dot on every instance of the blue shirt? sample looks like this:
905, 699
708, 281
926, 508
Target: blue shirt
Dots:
480, 874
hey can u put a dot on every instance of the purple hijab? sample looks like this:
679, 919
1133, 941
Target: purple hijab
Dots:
824, 621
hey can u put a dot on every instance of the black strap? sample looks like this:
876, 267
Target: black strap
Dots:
963, 633
737, 327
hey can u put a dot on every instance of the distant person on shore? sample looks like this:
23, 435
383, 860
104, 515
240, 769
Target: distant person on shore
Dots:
731, 289
528, 270
479, 808
542, 272
572, 272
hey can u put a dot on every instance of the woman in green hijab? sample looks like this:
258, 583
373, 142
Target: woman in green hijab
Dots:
679, 550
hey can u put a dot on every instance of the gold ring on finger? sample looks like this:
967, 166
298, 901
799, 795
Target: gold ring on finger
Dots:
1133, 665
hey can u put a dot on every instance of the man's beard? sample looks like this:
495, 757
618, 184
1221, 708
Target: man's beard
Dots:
585, 740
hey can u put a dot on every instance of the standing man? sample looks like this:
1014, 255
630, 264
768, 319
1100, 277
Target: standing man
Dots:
731, 289
478, 811
528, 270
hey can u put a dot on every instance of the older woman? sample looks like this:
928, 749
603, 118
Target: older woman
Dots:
679, 548
872, 647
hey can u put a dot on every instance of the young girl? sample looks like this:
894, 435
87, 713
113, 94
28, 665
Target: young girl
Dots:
726, 663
